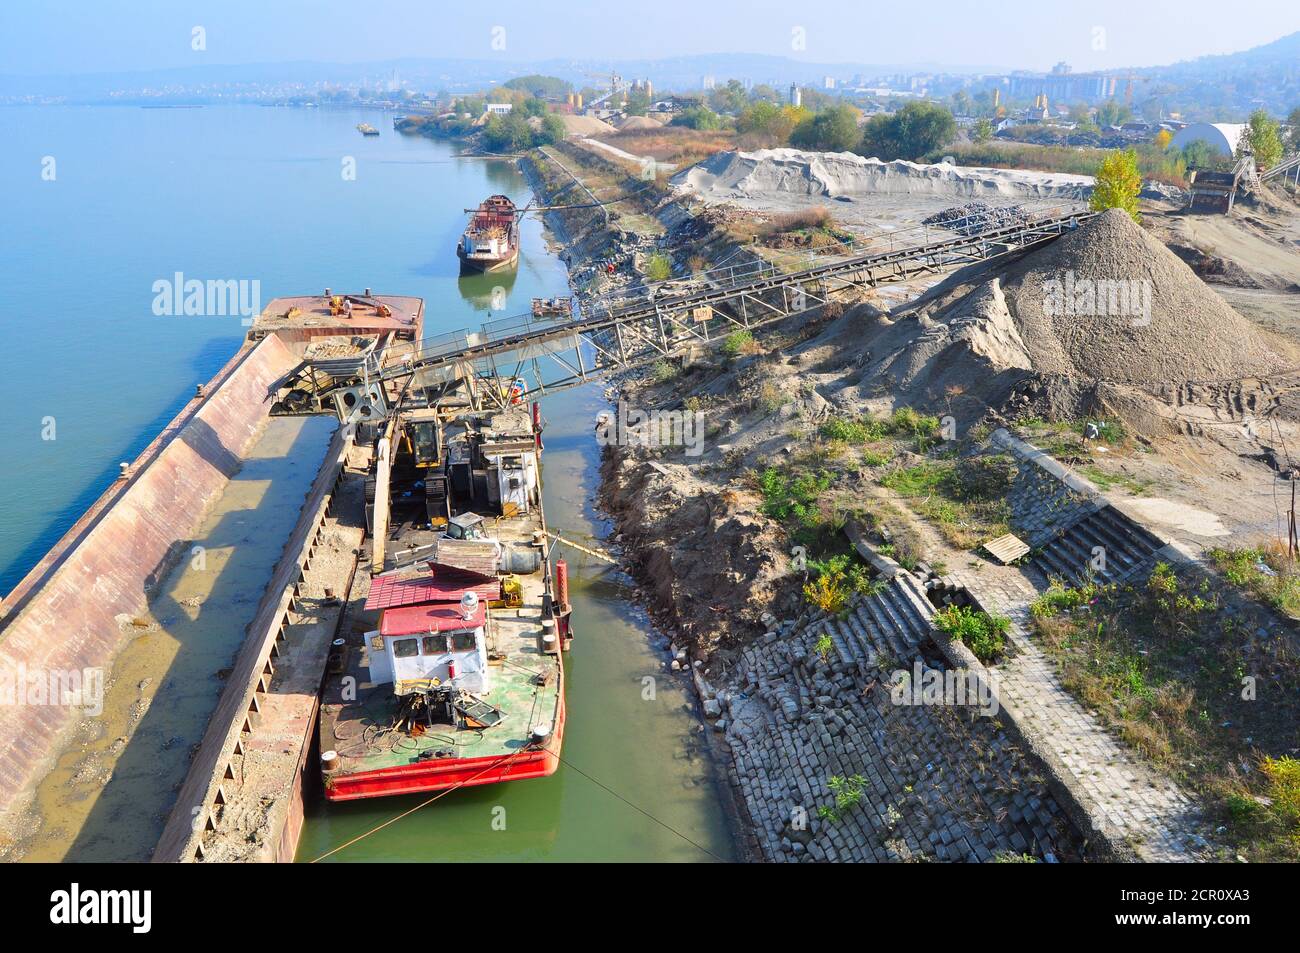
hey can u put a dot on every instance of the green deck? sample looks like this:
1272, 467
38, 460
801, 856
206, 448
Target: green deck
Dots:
356, 729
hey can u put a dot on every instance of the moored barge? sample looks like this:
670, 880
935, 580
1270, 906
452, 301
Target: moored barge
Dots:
454, 676
490, 241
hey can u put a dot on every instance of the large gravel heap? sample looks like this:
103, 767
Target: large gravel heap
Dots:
1188, 333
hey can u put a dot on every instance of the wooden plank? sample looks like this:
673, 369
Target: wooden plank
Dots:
1006, 549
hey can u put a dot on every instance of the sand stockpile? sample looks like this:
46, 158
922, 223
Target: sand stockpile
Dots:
636, 122
1102, 320
794, 172
1110, 301
585, 125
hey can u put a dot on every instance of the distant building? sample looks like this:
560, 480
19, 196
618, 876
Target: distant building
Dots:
796, 95
1064, 86
499, 109
829, 82
1222, 137
708, 83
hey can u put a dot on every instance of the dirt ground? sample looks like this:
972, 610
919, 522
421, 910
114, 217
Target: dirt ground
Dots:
1207, 462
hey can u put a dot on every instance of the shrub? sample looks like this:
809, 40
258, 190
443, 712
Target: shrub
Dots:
847, 793
658, 267
737, 343
786, 496
985, 635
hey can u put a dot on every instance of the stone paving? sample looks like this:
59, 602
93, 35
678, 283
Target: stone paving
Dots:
939, 782
1109, 780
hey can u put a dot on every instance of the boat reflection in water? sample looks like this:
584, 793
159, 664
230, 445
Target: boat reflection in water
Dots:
488, 291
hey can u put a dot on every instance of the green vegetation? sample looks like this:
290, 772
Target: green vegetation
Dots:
1109, 481
540, 86
658, 267
1267, 573
769, 122
909, 133
698, 117
1264, 135
1118, 184
834, 129
966, 501
836, 580
857, 430
1199, 692
985, 635
823, 646
662, 372
982, 131
512, 133
787, 496
737, 343
1153, 162
1059, 599
847, 793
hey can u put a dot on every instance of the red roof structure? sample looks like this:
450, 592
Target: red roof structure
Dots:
443, 584
417, 620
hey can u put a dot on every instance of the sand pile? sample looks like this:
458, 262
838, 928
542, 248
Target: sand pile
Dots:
1110, 301
585, 125
1103, 320
628, 123
793, 171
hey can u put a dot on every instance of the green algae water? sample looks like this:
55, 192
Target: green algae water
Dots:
297, 200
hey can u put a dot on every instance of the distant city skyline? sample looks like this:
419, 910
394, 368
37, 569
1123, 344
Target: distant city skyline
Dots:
74, 37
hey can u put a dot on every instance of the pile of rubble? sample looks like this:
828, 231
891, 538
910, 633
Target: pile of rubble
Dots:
976, 217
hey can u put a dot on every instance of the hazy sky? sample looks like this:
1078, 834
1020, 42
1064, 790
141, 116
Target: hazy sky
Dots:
75, 36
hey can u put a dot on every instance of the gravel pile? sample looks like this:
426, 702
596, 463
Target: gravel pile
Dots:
1109, 301
976, 217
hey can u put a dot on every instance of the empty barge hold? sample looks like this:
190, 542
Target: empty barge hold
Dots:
460, 681
81, 605
491, 239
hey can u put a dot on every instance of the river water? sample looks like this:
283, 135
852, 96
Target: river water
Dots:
104, 202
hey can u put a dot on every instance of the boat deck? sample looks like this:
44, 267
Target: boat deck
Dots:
525, 684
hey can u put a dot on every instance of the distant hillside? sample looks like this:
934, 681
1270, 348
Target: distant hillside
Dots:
1228, 86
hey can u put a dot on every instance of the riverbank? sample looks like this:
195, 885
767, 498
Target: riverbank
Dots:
627, 233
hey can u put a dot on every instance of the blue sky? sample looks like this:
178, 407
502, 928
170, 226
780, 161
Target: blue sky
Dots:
77, 36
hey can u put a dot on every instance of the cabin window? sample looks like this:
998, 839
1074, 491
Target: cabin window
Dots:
435, 644
406, 648
462, 642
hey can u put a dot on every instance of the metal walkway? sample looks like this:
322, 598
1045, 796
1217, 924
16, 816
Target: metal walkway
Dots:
1288, 168
612, 334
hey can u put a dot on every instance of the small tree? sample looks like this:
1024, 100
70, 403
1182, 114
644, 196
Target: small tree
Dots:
983, 131
1118, 184
1262, 132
